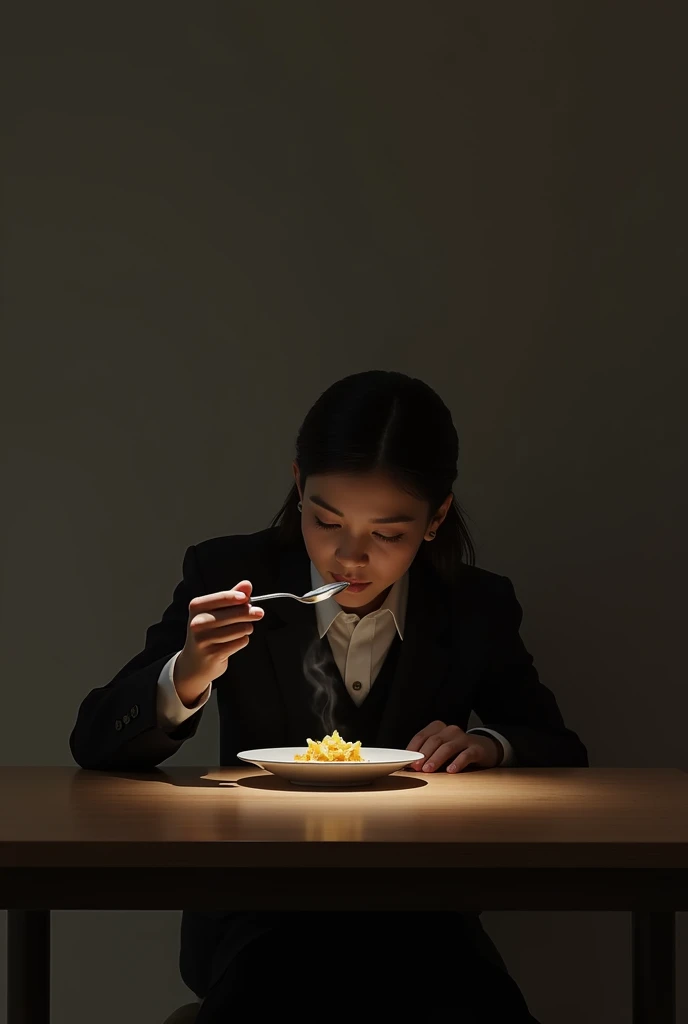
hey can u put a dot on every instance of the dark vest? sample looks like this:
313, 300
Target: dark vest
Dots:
362, 722
311, 714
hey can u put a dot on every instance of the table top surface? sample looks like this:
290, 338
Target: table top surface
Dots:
224, 817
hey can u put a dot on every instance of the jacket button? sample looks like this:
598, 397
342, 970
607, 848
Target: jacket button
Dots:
118, 725
126, 719
134, 711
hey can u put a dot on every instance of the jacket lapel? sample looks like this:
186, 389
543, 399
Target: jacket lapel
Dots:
290, 629
424, 660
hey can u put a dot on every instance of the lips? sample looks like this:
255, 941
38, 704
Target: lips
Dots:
355, 586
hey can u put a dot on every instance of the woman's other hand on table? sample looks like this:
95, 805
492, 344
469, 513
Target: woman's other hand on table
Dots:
449, 745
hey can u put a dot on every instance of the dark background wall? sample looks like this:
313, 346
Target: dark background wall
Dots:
212, 211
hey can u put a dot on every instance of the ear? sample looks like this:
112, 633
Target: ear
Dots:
438, 518
297, 478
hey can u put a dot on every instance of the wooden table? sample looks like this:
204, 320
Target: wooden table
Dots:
507, 839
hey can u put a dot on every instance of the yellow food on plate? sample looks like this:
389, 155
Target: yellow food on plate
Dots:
331, 748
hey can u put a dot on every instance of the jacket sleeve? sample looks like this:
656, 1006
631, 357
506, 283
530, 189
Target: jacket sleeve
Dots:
117, 724
511, 699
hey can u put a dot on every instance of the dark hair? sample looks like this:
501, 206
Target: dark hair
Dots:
385, 421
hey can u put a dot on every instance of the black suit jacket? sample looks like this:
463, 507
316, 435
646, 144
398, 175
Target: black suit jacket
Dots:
461, 652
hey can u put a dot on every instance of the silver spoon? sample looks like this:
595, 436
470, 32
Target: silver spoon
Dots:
312, 597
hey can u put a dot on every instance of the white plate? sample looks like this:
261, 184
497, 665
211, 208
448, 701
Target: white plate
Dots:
379, 761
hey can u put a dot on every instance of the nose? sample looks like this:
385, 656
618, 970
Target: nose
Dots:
351, 558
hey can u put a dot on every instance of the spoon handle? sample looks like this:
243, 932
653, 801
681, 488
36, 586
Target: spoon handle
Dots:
270, 597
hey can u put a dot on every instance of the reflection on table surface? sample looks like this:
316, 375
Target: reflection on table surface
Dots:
631, 808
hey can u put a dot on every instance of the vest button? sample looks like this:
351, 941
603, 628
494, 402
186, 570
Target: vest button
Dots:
357, 685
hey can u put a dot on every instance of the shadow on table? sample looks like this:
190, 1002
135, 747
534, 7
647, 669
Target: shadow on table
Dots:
390, 784
195, 777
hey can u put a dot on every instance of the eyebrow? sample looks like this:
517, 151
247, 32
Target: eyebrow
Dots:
385, 519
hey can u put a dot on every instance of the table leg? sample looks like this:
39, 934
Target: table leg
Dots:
28, 967
654, 963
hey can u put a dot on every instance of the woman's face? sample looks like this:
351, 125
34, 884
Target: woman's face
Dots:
364, 529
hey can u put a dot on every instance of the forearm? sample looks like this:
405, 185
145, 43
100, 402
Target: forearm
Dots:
172, 710
117, 725
543, 748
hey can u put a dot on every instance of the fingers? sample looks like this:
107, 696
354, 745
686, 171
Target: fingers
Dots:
220, 618
226, 650
424, 734
428, 750
227, 634
451, 743
438, 743
441, 754
471, 755
223, 598
215, 611
220, 624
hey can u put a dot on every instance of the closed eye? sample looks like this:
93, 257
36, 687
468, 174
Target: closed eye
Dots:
326, 526
380, 536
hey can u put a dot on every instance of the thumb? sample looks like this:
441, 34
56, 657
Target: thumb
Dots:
245, 587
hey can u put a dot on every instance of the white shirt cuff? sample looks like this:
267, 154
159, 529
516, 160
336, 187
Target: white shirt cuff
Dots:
170, 710
509, 760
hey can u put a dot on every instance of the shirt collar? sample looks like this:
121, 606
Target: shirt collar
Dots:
395, 603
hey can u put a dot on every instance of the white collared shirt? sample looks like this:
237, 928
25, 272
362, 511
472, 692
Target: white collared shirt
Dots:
359, 647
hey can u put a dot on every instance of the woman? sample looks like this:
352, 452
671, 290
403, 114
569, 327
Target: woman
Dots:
419, 640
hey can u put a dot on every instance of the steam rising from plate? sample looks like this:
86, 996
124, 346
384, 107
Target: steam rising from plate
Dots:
315, 670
